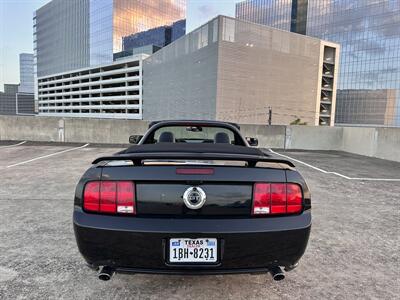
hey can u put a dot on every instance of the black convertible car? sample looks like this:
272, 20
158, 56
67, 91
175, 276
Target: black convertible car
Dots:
192, 197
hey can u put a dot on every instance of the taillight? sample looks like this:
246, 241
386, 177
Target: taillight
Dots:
294, 198
109, 197
277, 198
91, 196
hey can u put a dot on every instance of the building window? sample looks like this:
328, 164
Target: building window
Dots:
215, 30
228, 33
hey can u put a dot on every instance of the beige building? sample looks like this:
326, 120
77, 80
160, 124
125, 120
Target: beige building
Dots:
234, 71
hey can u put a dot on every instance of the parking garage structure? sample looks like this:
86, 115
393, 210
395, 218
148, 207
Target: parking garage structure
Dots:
106, 91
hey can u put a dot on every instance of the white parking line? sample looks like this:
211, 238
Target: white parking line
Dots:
45, 156
334, 173
9, 146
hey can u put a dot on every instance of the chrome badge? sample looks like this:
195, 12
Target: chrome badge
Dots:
194, 197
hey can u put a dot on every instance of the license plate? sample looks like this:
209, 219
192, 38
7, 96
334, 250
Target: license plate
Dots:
193, 250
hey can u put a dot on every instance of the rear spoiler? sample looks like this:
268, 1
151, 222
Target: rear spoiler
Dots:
137, 158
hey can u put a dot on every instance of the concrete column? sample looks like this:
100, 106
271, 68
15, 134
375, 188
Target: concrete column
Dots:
61, 136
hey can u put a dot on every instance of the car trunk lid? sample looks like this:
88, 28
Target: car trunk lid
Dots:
160, 188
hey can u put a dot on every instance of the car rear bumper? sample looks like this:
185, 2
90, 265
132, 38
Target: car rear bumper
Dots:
138, 244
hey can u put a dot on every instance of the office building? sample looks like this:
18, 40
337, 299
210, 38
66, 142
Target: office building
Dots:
233, 70
178, 29
26, 73
7, 99
13, 102
148, 49
61, 36
159, 36
19, 98
112, 20
369, 35
74, 34
106, 91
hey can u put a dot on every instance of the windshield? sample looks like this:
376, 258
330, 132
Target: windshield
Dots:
194, 134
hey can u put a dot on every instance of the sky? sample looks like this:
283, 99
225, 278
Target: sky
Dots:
16, 28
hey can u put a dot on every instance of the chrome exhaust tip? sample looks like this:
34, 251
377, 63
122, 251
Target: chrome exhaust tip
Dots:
105, 273
277, 273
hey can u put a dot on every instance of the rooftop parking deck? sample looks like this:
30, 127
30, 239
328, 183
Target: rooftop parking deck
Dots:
353, 250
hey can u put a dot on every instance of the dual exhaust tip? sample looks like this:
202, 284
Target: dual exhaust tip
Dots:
107, 272
277, 273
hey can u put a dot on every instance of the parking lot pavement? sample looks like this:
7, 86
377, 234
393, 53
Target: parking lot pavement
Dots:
353, 250
351, 165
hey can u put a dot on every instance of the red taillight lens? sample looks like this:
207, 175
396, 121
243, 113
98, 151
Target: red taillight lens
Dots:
277, 198
261, 199
109, 197
91, 196
294, 198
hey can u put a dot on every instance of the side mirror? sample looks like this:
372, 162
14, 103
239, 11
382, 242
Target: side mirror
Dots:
252, 141
135, 139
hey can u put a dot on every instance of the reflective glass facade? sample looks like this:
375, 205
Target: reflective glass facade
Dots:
267, 12
101, 32
159, 36
369, 79
369, 35
26, 73
111, 20
61, 36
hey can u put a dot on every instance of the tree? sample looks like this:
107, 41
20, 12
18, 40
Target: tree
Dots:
298, 122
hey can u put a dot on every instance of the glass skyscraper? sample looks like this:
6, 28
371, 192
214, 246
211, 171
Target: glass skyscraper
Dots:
112, 20
159, 36
369, 35
26, 73
61, 36
73, 34
271, 12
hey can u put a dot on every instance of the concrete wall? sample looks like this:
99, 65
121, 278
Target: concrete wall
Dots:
77, 130
28, 128
313, 137
376, 142
388, 143
102, 130
359, 140
268, 136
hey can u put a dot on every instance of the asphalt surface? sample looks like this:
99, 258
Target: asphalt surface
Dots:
353, 250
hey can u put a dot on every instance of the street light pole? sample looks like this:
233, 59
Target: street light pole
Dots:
270, 115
